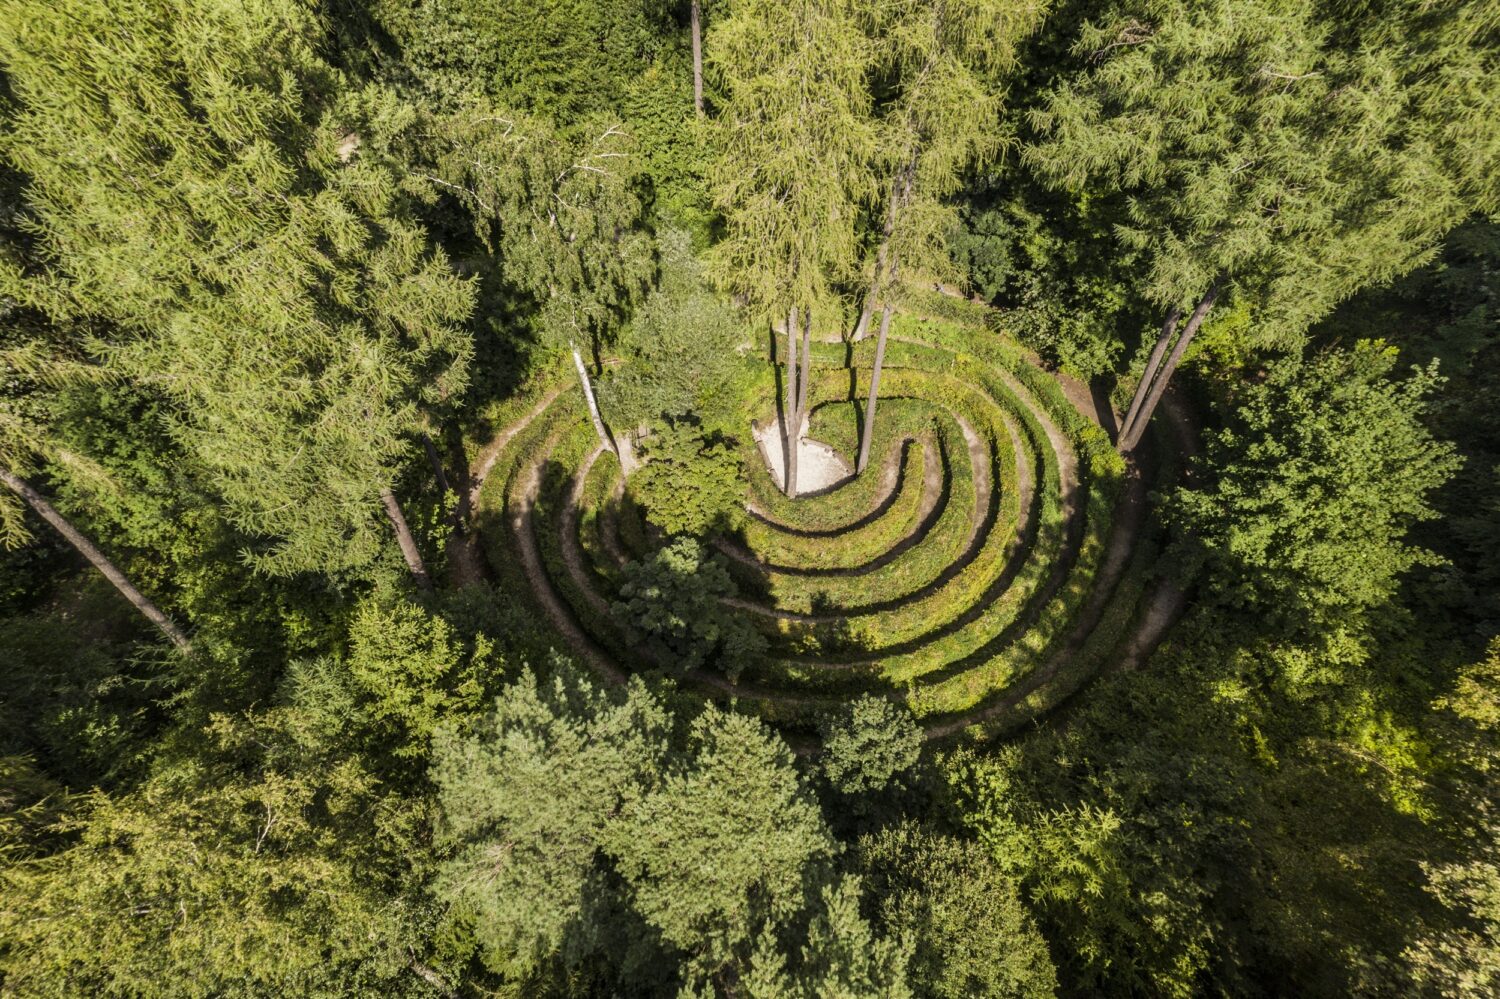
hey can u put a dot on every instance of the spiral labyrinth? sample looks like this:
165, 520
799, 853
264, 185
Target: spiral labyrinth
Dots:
995, 555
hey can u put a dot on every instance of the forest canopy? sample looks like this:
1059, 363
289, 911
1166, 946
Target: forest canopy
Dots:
815, 498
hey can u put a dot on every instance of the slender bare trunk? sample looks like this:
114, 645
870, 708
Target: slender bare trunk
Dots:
869, 431
791, 417
901, 186
697, 59
87, 549
867, 312
437, 464
405, 540
588, 394
1129, 441
1153, 362
805, 377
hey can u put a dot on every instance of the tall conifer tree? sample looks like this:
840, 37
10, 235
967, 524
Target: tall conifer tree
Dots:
795, 148
946, 60
1266, 149
195, 193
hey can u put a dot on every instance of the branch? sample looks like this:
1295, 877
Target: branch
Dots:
1133, 33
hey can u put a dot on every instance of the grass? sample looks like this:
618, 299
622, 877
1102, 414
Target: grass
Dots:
947, 624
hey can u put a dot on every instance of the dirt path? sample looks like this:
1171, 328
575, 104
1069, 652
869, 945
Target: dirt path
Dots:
1160, 610
979, 516
924, 517
465, 566
819, 467
523, 528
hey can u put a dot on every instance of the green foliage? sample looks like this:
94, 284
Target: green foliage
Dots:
234, 254
579, 831
673, 599
1265, 143
1322, 471
1049, 260
563, 58
1446, 311
415, 673
232, 885
721, 845
794, 145
972, 935
942, 70
680, 351
690, 482
75, 697
526, 799
560, 207
870, 744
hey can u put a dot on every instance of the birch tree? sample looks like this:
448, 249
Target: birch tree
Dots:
795, 145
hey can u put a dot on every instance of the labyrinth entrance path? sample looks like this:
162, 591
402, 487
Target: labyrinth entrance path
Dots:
995, 556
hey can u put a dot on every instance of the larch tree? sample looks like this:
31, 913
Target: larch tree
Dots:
197, 199
1264, 148
795, 147
946, 61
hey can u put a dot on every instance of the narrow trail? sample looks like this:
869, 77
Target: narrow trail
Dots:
523, 528
979, 517
928, 511
1159, 608
465, 565
1162, 609
892, 468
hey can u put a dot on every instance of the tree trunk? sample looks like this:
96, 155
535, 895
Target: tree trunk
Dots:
901, 186
806, 377
864, 440
1159, 385
86, 548
405, 540
588, 394
697, 59
1168, 328
791, 418
437, 464
868, 311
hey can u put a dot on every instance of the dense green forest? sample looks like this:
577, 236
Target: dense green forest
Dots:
749, 498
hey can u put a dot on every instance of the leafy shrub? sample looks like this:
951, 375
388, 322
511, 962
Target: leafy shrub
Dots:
673, 599
690, 482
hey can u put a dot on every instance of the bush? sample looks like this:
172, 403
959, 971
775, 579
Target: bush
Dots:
869, 744
690, 482
673, 599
